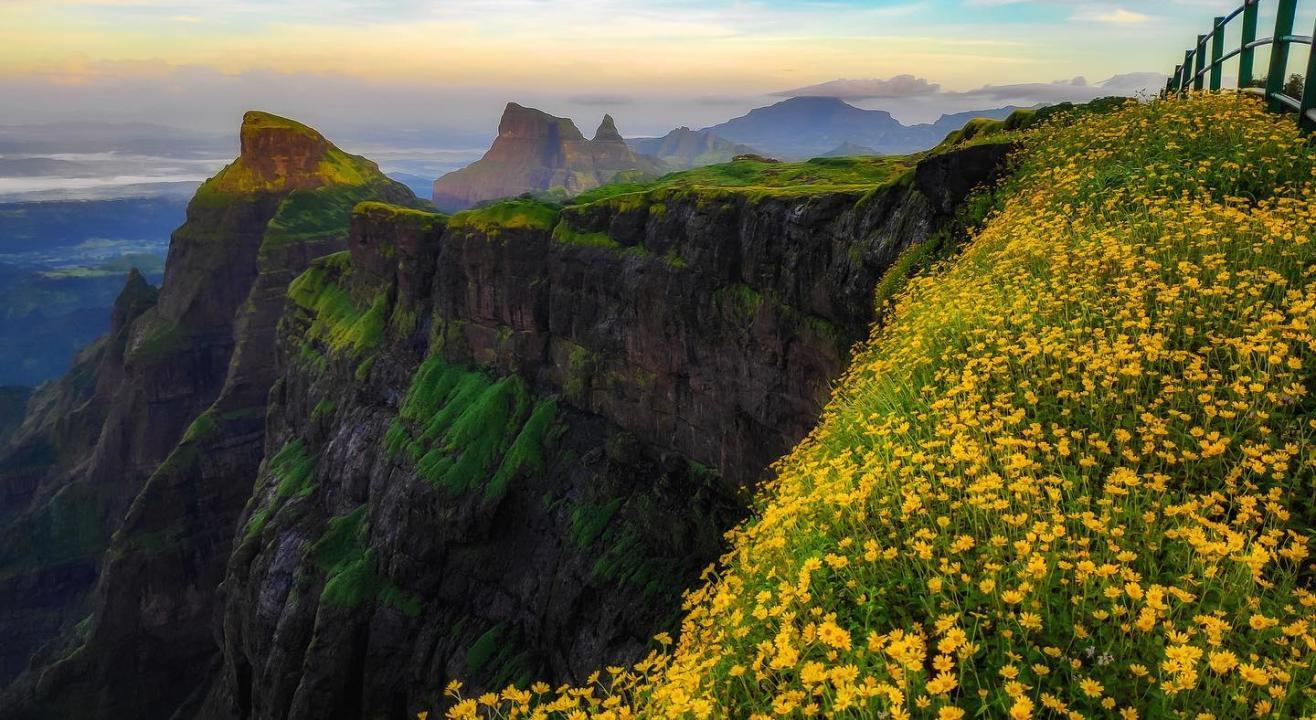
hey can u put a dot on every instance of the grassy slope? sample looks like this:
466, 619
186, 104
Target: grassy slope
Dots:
770, 178
1071, 477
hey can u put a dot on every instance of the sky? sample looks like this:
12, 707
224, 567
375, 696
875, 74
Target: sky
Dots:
421, 69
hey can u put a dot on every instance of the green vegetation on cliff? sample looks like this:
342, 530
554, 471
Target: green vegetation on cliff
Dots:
1069, 477
518, 214
758, 177
465, 430
351, 578
340, 321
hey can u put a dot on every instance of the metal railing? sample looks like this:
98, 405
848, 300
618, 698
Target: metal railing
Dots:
1196, 71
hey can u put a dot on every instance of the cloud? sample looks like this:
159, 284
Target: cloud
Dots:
1074, 90
899, 86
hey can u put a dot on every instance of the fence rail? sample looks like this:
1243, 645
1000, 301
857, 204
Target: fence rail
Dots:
1200, 73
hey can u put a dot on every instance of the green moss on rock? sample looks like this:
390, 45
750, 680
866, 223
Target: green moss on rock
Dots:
293, 468
337, 319
465, 430
568, 235
351, 579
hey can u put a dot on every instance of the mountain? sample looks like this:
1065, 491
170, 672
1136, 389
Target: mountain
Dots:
128, 471
805, 127
683, 148
849, 149
495, 446
538, 153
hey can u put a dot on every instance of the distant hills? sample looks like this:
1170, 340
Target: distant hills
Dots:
805, 127
541, 154
683, 148
536, 153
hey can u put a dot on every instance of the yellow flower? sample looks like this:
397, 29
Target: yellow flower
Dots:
943, 683
1091, 687
1253, 674
1222, 662
834, 635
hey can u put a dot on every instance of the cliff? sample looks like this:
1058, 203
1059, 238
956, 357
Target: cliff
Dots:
504, 442
538, 153
121, 487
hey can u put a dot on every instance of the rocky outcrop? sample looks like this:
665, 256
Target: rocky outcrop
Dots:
502, 444
538, 153
135, 466
683, 148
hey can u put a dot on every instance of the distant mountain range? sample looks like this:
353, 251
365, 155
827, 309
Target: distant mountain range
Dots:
805, 127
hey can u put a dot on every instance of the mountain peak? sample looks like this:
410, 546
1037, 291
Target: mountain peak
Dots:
607, 131
519, 121
136, 297
279, 154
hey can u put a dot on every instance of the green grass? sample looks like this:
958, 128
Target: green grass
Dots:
740, 298
484, 648
422, 219
337, 319
820, 175
526, 455
351, 579
982, 131
293, 468
323, 409
507, 215
568, 235
312, 214
465, 430
590, 520
203, 427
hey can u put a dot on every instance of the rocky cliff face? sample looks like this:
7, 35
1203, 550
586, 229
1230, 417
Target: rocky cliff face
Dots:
122, 486
535, 153
502, 443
